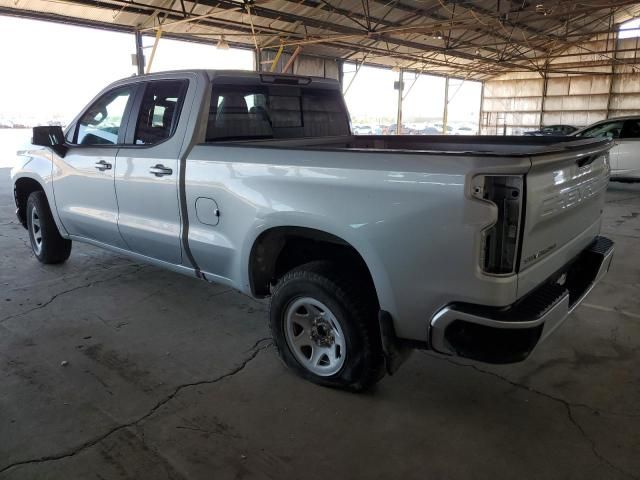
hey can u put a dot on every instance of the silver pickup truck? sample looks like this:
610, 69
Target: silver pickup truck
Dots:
368, 246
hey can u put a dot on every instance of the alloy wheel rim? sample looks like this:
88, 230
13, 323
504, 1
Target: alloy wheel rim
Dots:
36, 232
314, 336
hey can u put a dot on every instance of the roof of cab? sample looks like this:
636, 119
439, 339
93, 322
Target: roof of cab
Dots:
251, 76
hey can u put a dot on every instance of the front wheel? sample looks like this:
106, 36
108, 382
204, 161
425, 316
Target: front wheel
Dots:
325, 327
46, 242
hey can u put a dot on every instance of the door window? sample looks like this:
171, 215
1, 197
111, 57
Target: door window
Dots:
608, 129
159, 111
101, 123
631, 129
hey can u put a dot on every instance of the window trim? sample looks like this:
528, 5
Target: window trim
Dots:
137, 105
134, 87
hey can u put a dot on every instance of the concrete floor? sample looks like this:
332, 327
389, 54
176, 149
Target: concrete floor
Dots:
169, 377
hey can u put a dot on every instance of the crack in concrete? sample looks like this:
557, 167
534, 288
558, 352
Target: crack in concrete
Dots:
591, 408
90, 268
223, 292
134, 423
70, 290
20, 239
613, 233
611, 310
208, 432
618, 200
567, 405
258, 342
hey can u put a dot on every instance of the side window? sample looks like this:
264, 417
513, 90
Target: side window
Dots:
101, 123
631, 129
159, 111
608, 129
70, 133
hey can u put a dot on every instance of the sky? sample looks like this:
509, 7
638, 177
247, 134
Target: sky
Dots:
57, 68
54, 80
630, 29
371, 96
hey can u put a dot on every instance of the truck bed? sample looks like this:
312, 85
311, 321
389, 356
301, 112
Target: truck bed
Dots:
489, 145
565, 178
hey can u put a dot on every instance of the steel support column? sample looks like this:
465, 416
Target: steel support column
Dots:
545, 85
445, 113
257, 57
481, 113
613, 72
399, 116
139, 53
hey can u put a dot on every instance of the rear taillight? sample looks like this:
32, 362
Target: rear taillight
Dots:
500, 241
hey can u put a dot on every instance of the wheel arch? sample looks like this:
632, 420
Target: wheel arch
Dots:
279, 249
22, 188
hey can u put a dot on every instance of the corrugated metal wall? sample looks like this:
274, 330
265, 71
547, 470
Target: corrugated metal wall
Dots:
302, 65
518, 102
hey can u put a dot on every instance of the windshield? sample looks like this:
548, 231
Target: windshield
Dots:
251, 112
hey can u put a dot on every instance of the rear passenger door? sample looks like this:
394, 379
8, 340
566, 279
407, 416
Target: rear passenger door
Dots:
628, 145
147, 171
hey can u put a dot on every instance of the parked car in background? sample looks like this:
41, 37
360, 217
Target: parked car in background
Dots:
426, 131
440, 128
625, 154
465, 130
392, 130
362, 130
553, 130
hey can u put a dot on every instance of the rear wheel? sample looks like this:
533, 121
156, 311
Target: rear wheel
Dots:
46, 242
325, 328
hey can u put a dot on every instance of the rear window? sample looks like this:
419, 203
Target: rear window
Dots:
256, 112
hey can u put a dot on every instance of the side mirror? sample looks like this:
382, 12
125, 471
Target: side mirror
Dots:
50, 136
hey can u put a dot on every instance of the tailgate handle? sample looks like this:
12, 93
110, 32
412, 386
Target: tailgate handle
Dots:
587, 160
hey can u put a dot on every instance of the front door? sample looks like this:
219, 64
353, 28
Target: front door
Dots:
147, 172
84, 185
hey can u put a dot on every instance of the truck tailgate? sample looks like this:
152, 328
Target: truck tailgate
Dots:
564, 201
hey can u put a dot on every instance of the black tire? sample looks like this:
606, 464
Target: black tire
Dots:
353, 308
47, 244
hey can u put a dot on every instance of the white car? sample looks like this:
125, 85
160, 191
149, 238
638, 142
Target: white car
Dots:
362, 130
625, 154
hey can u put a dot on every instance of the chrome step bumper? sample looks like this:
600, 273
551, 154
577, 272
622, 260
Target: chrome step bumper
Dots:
509, 334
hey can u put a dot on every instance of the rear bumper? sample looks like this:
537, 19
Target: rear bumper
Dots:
509, 334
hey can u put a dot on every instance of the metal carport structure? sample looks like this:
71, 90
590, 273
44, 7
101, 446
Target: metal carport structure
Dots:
535, 59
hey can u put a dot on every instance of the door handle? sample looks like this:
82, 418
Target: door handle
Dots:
160, 170
102, 165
